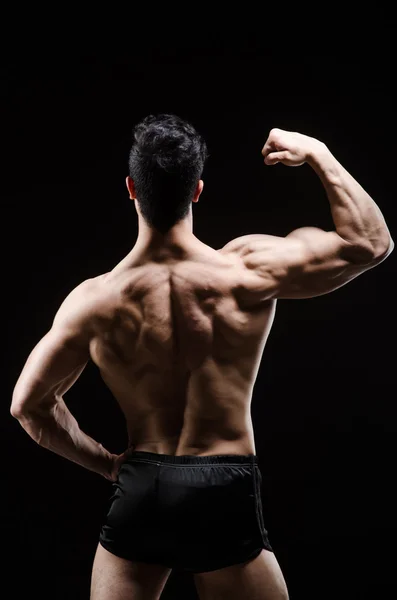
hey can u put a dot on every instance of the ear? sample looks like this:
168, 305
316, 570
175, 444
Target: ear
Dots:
198, 191
131, 187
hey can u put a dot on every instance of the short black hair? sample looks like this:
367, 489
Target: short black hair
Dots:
166, 162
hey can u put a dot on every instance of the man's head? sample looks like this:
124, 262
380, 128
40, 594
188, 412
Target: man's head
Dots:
165, 166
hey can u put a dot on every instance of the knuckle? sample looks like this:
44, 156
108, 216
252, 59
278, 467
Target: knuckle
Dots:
274, 132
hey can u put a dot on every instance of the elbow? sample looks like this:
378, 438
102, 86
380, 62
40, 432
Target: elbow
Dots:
370, 253
21, 408
18, 404
23, 411
30, 420
391, 245
17, 410
383, 249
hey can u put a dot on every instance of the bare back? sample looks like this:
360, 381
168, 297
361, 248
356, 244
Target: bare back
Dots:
178, 343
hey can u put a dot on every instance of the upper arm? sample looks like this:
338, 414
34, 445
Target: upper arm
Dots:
59, 358
308, 262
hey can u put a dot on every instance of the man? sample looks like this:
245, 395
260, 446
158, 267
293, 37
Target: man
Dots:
177, 330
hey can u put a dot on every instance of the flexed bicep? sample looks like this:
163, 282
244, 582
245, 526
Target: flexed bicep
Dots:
308, 262
326, 263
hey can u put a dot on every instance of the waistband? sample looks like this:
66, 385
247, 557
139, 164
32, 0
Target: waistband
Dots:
188, 459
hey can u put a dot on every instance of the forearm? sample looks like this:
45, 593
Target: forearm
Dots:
357, 217
56, 429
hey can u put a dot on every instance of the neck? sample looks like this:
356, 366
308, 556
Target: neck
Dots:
179, 235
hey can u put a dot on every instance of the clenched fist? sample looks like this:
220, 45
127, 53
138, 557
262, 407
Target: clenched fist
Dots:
289, 147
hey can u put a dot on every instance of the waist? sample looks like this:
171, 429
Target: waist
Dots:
211, 459
180, 446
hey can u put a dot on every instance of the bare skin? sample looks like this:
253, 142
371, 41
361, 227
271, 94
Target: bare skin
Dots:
177, 330
179, 344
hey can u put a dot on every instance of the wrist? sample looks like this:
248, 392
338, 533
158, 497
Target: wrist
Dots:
317, 154
108, 464
325, 165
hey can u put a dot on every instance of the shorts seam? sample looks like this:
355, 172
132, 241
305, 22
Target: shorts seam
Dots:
258, 506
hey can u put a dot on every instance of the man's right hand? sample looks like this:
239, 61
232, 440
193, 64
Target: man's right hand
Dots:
290, 148
116, 461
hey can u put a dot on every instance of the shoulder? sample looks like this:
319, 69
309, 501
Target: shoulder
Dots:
267, 260
247, 243
257, 246
82, 305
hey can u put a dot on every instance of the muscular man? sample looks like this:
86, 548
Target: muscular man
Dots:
177, 330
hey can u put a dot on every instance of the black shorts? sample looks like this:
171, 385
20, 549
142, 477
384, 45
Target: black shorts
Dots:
190, 513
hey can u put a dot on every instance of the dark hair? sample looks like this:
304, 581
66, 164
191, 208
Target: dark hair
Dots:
166, 162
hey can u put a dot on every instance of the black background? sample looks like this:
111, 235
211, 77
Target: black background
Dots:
324, 403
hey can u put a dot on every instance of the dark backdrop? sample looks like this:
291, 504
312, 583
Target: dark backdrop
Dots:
324, 406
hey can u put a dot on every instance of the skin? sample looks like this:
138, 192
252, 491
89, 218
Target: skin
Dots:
177, 330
